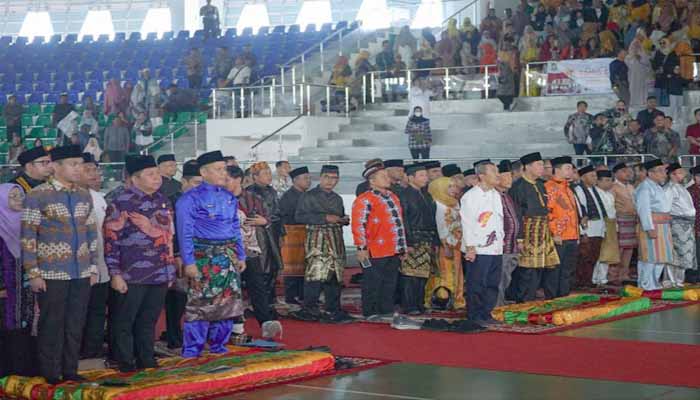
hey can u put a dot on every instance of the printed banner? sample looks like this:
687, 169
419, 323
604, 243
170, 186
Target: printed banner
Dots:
575, 77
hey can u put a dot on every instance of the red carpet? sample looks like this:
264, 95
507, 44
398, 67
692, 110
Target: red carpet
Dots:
629, 361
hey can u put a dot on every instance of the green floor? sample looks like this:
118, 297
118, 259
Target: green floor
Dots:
424, 382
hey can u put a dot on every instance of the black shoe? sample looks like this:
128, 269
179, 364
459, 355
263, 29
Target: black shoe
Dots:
74, 378
149, 364
340, 317
305, 315
127, 368
53, 380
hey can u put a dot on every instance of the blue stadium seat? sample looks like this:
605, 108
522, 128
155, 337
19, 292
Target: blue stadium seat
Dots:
21, 41
134, 37
279, 29
310, 28
152, 36
36, 98
247, 32
120, 37
230, 33
86, 39
70, 38
341, 25
263, 31
51, 98
183, 35
167, 36
103, 38
326, 28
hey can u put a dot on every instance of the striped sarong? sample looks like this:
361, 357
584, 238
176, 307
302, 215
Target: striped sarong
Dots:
538, 249
293, 253
683, 234
659, 250
627, 231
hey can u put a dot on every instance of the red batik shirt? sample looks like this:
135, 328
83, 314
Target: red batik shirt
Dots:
377, 225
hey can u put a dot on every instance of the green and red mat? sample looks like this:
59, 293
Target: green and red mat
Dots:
177, 378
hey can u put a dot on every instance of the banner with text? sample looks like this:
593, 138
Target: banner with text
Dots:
574, 77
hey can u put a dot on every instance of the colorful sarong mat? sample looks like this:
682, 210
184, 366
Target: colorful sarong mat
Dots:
684, 294
178, 378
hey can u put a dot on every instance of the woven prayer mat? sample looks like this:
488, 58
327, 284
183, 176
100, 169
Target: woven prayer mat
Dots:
195, 378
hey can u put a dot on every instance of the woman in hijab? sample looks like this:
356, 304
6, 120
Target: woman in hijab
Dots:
93, 147
406, 45
664, 61
420, 137
362, 68
449, 278
639, 73
488, 54
16, 298
447, 50
115, 98
425, 58
528, 53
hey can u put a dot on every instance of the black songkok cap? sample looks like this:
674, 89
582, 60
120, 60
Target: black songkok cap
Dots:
588, 168
451, 170
695, 170
89, 158
531, 158
413, 168
32, 154
469, 172
673, 166
652, 164
618, 167
487, 160
138, 163
329, 169
190, 169
208, 158
605, 173
165, 158
557, 161
505, 166
300, 171
63, 152
393, 163
432, 164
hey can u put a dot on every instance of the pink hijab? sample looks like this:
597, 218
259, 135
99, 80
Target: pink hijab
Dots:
10, 220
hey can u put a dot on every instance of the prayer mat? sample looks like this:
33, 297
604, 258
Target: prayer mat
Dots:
690, 293
582, 311
177, 378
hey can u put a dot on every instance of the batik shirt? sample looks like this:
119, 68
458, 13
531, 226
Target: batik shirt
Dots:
661, 143
207, 212
563, 211
377, 225
511, 225
577, 127
59, 233
138, 233
694, 191
631, 143
281, 184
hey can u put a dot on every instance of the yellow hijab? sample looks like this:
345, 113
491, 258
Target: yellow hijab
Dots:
439, 189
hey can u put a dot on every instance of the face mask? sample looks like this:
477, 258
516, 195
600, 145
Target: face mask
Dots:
579, 22
418, 114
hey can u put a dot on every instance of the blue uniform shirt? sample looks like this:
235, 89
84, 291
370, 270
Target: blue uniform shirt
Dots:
207, 212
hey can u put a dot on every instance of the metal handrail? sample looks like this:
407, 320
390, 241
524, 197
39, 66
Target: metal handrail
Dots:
458, 12
278, 130
170, 135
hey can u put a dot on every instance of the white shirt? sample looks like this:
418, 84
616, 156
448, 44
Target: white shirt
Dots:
482, 221
239, 75
100, 206
595, 228
418, 97
681, 201
608, 202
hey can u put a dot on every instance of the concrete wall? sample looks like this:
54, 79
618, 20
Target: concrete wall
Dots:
236, 136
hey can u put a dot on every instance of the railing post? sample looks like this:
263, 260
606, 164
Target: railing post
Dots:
242, 103
303, 68
527, 79
340, 43
172, 140
294, 86
282, 79
408, 79
347, 101
328, 101
301, 99
486, 81
272, 98
252, 103
364, 89
308, 100
447, 83
371, 87
196, 136
321, 48
233, 103
213, 103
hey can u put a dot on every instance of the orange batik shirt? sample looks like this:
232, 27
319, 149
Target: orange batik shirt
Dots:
563, 211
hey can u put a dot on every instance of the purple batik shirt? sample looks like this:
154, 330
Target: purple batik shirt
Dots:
138, 235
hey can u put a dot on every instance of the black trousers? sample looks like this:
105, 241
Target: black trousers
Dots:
18, 353
175, 302
379, 285
293, 288
483, 276
195, 81
257, 283
94, 333
557, 282
420, 153
62, 307
526, 281
412, 293
12, 130
134, 323
331, 289
507, 101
